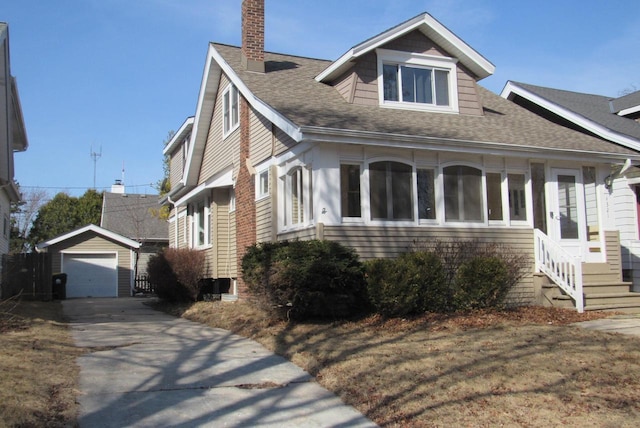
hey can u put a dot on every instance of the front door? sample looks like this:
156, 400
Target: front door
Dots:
566, 211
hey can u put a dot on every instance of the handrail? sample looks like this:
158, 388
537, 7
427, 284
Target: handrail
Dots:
563, 268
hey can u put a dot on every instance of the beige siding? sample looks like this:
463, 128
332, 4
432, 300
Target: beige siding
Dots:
91, 243
260, 137
223, 254
304, 234
283, 142
468, 101
176, 167
219, 153
263, 221
614, 253
376, 242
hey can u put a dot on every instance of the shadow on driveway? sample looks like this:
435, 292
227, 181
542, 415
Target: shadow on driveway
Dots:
146, 368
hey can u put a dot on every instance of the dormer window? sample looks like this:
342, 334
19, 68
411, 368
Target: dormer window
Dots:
417, 81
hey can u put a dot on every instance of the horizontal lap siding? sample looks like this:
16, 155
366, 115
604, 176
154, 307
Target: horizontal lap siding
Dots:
176, 167
302, 235
263, 220
260, 138
219, 153
224, 259
468, 101
613, 249
378, 242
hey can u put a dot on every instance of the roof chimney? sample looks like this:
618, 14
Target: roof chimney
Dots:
253, 35
118, 187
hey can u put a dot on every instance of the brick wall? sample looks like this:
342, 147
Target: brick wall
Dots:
253, 35
245, 198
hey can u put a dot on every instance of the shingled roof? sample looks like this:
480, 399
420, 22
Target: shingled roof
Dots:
132, 215
289, 89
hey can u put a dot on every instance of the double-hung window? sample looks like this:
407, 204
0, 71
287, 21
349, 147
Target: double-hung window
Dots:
201, 224
230, 109
416, 81
262, 184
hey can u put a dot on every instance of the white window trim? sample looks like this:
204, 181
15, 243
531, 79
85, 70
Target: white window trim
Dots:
504, 196
527, 194
483, 189
207, 224
362, 198
284, 189
228, 128
386, 56
259, 193
436, 191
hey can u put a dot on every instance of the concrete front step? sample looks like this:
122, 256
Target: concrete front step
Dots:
606, 287
623, 308
612, 299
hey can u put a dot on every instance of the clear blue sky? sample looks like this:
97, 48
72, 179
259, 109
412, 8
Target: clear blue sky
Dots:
117, 75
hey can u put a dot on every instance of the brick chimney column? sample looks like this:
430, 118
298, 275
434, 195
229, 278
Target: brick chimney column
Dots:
245, 199
253, 35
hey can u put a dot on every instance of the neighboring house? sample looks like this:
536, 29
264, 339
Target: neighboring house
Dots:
98, 262
13, 138
136, 217
612, 119
395, 141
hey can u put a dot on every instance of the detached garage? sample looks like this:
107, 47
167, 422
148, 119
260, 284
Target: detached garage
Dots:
98, 262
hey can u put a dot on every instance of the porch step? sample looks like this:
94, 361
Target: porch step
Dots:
610, 299
225, 297
626, 308
606, 287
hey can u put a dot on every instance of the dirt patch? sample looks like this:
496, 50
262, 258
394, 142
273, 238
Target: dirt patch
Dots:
39, 378
523, 367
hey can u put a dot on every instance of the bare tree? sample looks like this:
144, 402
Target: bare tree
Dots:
22, 216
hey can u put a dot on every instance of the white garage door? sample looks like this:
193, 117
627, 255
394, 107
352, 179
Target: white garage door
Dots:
91, 275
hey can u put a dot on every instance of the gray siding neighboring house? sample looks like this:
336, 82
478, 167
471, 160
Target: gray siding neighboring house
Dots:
306, 148
613, 119
13, 137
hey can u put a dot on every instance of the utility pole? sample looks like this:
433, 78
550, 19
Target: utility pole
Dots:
95, 156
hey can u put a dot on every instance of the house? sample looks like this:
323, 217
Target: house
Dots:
98, 262
137, 217
612, 119
13, 137
394, 141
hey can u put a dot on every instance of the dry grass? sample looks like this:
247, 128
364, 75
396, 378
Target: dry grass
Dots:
39, 375
526, 367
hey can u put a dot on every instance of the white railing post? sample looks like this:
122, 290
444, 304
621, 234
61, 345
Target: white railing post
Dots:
564, 269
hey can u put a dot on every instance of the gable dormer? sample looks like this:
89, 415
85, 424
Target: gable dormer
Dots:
417, 65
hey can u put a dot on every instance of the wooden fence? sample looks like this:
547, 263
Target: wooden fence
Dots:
28, 275
143, 285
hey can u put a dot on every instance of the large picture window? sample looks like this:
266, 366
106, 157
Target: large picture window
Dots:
462, 193
390, 191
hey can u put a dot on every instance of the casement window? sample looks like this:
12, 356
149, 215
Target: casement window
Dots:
391, 190
517, 198
298, 208
350, 191
200, 224
494, 196
462, 193
426, 194
230, 109
416, 81
262, 184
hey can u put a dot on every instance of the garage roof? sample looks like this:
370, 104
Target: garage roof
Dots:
90, 228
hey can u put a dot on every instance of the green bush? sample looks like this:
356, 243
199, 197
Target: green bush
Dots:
305, 279
176, 274
411, 284
481, 282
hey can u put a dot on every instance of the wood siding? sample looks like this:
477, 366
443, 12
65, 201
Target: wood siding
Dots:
613, 251
222, 257
94, 244
359, 85
176, 166
260, 137
380, 242
264, 227
219, 152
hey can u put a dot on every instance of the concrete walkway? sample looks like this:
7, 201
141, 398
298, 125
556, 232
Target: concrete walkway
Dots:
145, 368
623, 324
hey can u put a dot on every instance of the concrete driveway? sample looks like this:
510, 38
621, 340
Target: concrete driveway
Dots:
144, 368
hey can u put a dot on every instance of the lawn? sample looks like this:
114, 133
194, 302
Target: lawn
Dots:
38, 372
527, 367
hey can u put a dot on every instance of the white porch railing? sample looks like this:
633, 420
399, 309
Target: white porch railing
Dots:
563, 268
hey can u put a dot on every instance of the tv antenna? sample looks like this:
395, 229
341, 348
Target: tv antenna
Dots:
95, 156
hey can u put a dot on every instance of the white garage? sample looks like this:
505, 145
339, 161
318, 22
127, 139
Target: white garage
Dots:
97, 262
91, 275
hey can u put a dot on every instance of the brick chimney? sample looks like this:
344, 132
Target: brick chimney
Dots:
253, 35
